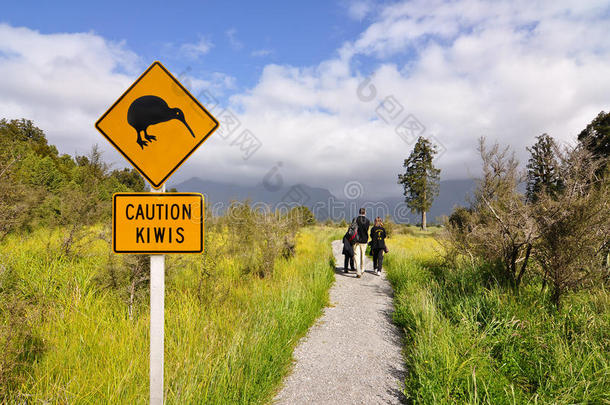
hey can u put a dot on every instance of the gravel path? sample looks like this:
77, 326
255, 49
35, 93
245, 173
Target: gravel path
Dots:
352, 355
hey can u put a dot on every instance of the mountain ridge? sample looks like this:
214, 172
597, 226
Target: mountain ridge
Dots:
322, 202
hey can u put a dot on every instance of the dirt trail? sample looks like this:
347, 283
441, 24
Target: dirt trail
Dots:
352, 355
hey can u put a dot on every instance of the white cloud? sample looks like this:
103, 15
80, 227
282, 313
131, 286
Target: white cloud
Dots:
196, 49
216, 83
233, 41
505, 70
261, 52
63, 82
467, 68
359, 9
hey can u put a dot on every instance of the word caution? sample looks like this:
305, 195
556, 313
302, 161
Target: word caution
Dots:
158, 223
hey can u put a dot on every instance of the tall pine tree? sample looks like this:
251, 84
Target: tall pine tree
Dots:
596, 137
421, 178
542, 168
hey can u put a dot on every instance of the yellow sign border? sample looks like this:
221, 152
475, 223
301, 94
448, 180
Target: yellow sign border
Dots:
160, 184
201, 225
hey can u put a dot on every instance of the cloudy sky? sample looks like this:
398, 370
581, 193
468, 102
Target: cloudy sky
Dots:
324, 92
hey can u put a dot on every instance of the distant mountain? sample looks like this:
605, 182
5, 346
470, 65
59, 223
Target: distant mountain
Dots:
223, 192
322, 202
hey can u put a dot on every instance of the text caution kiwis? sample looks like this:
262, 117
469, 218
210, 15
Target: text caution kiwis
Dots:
157, 223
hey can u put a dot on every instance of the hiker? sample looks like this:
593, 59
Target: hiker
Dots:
348, 252
362, 238
378, 247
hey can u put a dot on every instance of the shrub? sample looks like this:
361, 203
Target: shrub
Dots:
259, 237
127, 275
21, 346
302, 216
573, 225
498, 229
389, 226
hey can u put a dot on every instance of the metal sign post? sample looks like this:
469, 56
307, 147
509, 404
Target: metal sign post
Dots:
157, 325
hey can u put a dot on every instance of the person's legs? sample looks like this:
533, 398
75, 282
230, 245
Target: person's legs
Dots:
359, 250
357, 257
375, 258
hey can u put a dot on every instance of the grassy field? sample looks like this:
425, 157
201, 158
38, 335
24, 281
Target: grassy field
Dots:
229, 335
470, 341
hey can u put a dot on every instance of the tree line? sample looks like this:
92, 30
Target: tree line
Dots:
40, 187
556, 228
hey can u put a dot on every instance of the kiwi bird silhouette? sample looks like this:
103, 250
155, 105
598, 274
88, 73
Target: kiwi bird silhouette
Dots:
150, 110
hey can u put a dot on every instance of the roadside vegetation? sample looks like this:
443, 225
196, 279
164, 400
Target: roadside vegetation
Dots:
229, 333
75, 317
506, 302
509, 302
469, 339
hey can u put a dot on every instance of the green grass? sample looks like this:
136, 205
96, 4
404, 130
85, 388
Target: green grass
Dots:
469, 341
231, 345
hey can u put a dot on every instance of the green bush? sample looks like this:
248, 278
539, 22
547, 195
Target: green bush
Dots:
38, 187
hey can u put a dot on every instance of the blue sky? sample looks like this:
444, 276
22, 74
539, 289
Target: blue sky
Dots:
327, 88
244, 35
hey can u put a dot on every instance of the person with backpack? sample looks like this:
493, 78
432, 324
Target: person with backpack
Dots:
362, 237
378, 247
348, 250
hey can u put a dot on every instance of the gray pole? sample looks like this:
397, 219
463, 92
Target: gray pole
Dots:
157, 325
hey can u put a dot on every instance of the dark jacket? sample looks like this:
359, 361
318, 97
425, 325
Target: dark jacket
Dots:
378, 237
348, 248
363, 228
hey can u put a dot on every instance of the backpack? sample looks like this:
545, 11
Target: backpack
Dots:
352, 231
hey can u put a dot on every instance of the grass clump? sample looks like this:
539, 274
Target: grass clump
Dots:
470, 340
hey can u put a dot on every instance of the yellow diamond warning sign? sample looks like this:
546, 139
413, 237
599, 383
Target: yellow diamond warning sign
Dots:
157, 223
156, 124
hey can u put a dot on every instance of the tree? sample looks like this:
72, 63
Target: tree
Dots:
542, 170
85, 200
497, 229
574, 225
131, 178
17, 199
596, 139
25, 132
596, 136
302, 216
421, 179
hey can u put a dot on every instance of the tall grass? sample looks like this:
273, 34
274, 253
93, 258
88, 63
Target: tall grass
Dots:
470, 341
229, 340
